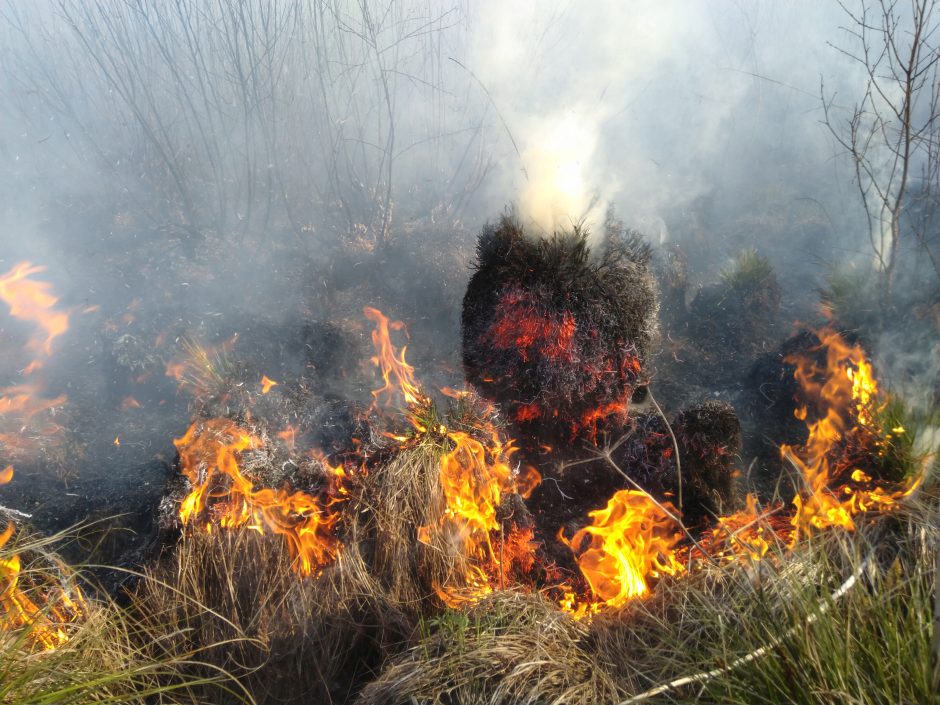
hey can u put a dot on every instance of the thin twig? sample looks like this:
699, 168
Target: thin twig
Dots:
675, 445
499, 114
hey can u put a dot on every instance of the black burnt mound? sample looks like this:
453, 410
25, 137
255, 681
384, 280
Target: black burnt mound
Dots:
708, 436
555, 334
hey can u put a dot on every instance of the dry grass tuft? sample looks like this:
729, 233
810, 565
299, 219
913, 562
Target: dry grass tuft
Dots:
510, 648
109, 656
295, 640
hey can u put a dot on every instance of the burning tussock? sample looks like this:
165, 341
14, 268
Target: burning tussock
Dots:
336, 625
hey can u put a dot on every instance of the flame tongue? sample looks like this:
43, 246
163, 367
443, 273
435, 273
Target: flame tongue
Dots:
628, 543
399, 376
845, 394
33, 301
221, 493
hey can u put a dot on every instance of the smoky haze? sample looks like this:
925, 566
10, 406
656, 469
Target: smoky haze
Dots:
308, 120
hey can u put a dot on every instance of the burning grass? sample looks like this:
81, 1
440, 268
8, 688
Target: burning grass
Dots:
102, 654
845, 618
408, 568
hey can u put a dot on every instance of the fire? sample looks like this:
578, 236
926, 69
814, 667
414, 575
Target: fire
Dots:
845, 394
475, 476
46, 624
396, 372
748, 533
474, 479
629, 543
267, 384
222, 494
33, 301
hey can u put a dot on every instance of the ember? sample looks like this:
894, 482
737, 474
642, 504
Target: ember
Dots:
554, 334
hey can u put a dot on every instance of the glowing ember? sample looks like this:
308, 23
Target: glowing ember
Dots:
522, 329
46, 624
266, 384
628, 543
222, 494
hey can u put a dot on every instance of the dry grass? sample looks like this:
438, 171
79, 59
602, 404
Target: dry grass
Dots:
295, 640
104, 659
509, 648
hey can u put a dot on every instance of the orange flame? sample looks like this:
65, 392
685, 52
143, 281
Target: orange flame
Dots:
221, 493
474, 479
47, 624
475, 475
396, 372
845, 393
266, 384
629, 542
33, 301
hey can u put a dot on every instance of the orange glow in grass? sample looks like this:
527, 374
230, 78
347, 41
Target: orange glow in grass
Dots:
267, 384
46, 621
